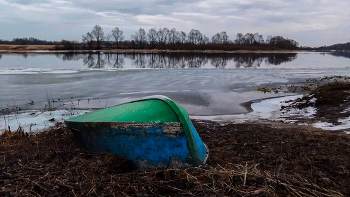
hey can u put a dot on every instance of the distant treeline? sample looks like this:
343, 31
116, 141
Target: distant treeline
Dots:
164, 38
28, 41
337, 47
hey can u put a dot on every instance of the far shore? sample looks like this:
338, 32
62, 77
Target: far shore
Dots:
53, 49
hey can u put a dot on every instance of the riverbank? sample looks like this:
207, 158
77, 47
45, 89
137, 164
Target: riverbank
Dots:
245, 160
53, 49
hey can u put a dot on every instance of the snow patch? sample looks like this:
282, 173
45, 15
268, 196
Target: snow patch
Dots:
344, 124
269, 109
36, 121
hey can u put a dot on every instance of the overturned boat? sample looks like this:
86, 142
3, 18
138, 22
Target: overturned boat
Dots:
152, 132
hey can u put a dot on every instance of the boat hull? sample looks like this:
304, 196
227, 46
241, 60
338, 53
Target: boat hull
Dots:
147, 145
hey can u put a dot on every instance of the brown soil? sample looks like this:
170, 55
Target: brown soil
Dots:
245, 160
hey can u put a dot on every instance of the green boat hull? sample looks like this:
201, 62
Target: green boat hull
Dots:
151, 132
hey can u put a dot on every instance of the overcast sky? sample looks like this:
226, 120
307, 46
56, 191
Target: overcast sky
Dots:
310, 22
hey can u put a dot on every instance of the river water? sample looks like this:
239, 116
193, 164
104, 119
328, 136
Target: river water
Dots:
205, 84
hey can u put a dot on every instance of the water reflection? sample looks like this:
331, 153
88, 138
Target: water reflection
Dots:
179, 60
341, 54
96, 60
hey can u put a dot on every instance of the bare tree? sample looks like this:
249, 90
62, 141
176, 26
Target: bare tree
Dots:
118, 35
240, 39
182, 37
268, 39
97, 31
195, 36
173, 36
88, 38
152, 37
162, 35
261, 39
224, 37
204, 40
256, 38
139, 37
249, 38
216, 39
108, 40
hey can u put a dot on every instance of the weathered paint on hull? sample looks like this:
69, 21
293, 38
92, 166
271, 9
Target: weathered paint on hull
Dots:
148, 145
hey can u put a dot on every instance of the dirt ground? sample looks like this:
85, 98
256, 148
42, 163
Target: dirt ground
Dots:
247, 159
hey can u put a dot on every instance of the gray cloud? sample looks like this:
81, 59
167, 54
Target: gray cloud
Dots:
300, 20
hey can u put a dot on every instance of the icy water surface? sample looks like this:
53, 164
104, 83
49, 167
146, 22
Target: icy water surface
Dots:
205, 84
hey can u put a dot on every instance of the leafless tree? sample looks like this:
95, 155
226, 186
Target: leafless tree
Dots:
173, 36
224, 37
195, 36
182, 37
88, 38
261, 39
118, 35
152, 37
204, 40
216, 39
249, 38
240, 39
139, 37
162, 35
97, 31
108, 40
268, 39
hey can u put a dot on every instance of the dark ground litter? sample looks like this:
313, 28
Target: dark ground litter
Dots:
245, 160
332, 102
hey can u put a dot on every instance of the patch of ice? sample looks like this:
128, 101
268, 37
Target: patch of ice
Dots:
313, 100
141, 92
306, 112
239, 118
346, 110
344, 124
268, 109
16, 72
36, 121
61, 71
35, 71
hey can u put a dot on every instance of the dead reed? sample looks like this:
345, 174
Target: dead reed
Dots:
245, 160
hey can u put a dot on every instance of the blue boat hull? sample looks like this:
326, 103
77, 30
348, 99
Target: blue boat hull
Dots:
147, 145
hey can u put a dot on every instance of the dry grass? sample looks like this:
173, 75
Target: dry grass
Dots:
245, 160
24, 48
